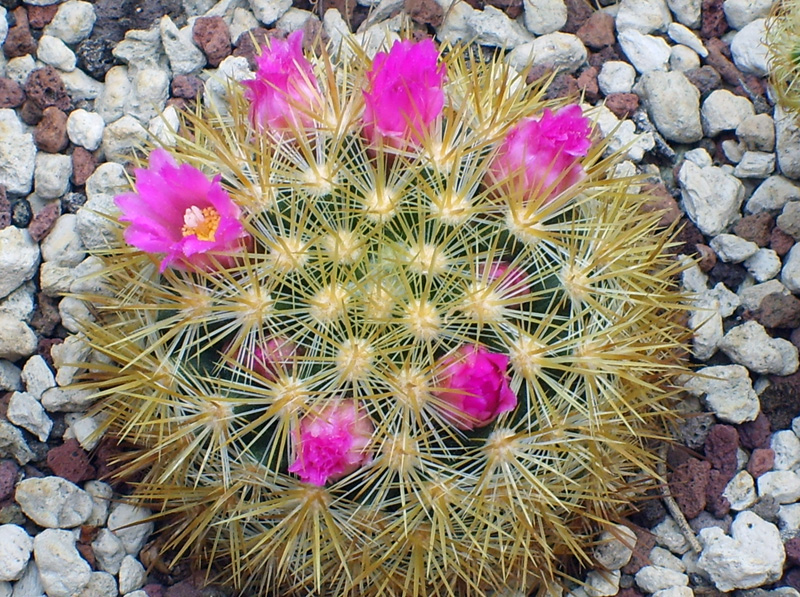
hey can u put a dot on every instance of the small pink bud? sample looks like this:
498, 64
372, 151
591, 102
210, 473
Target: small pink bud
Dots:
474, 387
284, 94
541, 156
512, 281
273, 356
331, 442
404, 94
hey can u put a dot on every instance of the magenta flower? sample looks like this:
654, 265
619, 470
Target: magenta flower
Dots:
284, 94
473, 387
331, 442
178, 211
404, 94
273, 356
543, 154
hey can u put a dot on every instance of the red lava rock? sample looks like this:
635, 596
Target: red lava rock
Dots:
183, 589
587, 83
688, 236
756, 228
213, 37
245, 46
778, 310
792, 578
645, 542
629, 592
564, 85
30, 113
780, 242
44, 221
708, 257
83, 165
39, 16
794, 338
597, 31
51, 132
428, 12
719, 58
622, 104
5, 209
19, 40
513, 8
11, 94
760, 462
716, 503
8, 478
43, 349
154, 590
578, 11
45, 88
721, 445
705, 78
755, 434
779, 400
792, 549
46, 316
688, 486
186, 86
86, 551
663, 201
600, 57
69, 461
713, 22
730, 274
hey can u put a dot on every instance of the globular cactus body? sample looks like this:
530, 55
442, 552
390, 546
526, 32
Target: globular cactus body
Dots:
414, 370
783, 44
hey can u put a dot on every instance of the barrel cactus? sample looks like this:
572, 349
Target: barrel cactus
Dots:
386, 326
783, 44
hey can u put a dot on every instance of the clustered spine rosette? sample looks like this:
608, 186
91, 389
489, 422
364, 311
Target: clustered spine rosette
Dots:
783, 45
386, 327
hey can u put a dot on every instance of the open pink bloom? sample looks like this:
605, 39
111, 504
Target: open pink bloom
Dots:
543, 154
473, 385
284, 93
512, 280
404, 94
272, 356
178, 211
331, 442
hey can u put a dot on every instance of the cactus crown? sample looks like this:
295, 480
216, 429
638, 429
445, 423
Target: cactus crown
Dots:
374, 272
783, 43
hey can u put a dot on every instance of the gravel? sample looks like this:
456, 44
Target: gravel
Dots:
682, 82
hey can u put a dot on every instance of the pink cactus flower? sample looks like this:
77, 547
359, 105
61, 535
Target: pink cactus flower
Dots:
543, 154
284, 94
178, 211
273, 356
474, 387
512, 280
331, 442
404, 94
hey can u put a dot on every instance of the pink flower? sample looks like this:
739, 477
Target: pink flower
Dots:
272, 356
512, 280
331, 442
473, 387
404, 94
177, 210
284, 94
543, 154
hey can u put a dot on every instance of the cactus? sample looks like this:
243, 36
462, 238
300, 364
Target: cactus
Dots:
406, 367
783, 43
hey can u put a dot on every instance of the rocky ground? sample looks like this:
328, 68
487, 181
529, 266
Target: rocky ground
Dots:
78, 80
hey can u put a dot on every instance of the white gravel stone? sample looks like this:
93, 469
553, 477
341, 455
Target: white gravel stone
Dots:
708, 310
687, 12
683, 59
233, 67
73, 311
772, 195
53, 171
85, 128
15, 551
786, 446
269, 11
763, 265
732, 249
18, 69
120, 519
9, 376
657, 578
741, 12
724, 111
755, 164
101, 494
295, 19
664, 558
645, 16
673, 104
750, 345
727, 391
789, 520
787, 143
740, 491
733, 150
122, 137
646, 52
243, 21
712, 197
55, 52
109, 551
63, 572
752, 556
12, 444
17, 154
557, 51
615, 547
67, 399
621, 134
789, 220
83, 428
131, 575
184, 56
141, 49
164, 126
20, 303
668, 534
17, 340
699, 157
73, 22
81, 86
602, 583
29, 584
117, 94
63, 246
782, 486
26, 412
757, 132
101, 584
3, 24
37, 376
53, 502
73, 349
544, 16
790, 274
675, 592
681, 34
749, 50
616, 76
107, 181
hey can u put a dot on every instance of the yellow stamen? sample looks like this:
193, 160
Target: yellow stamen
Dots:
202, 223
